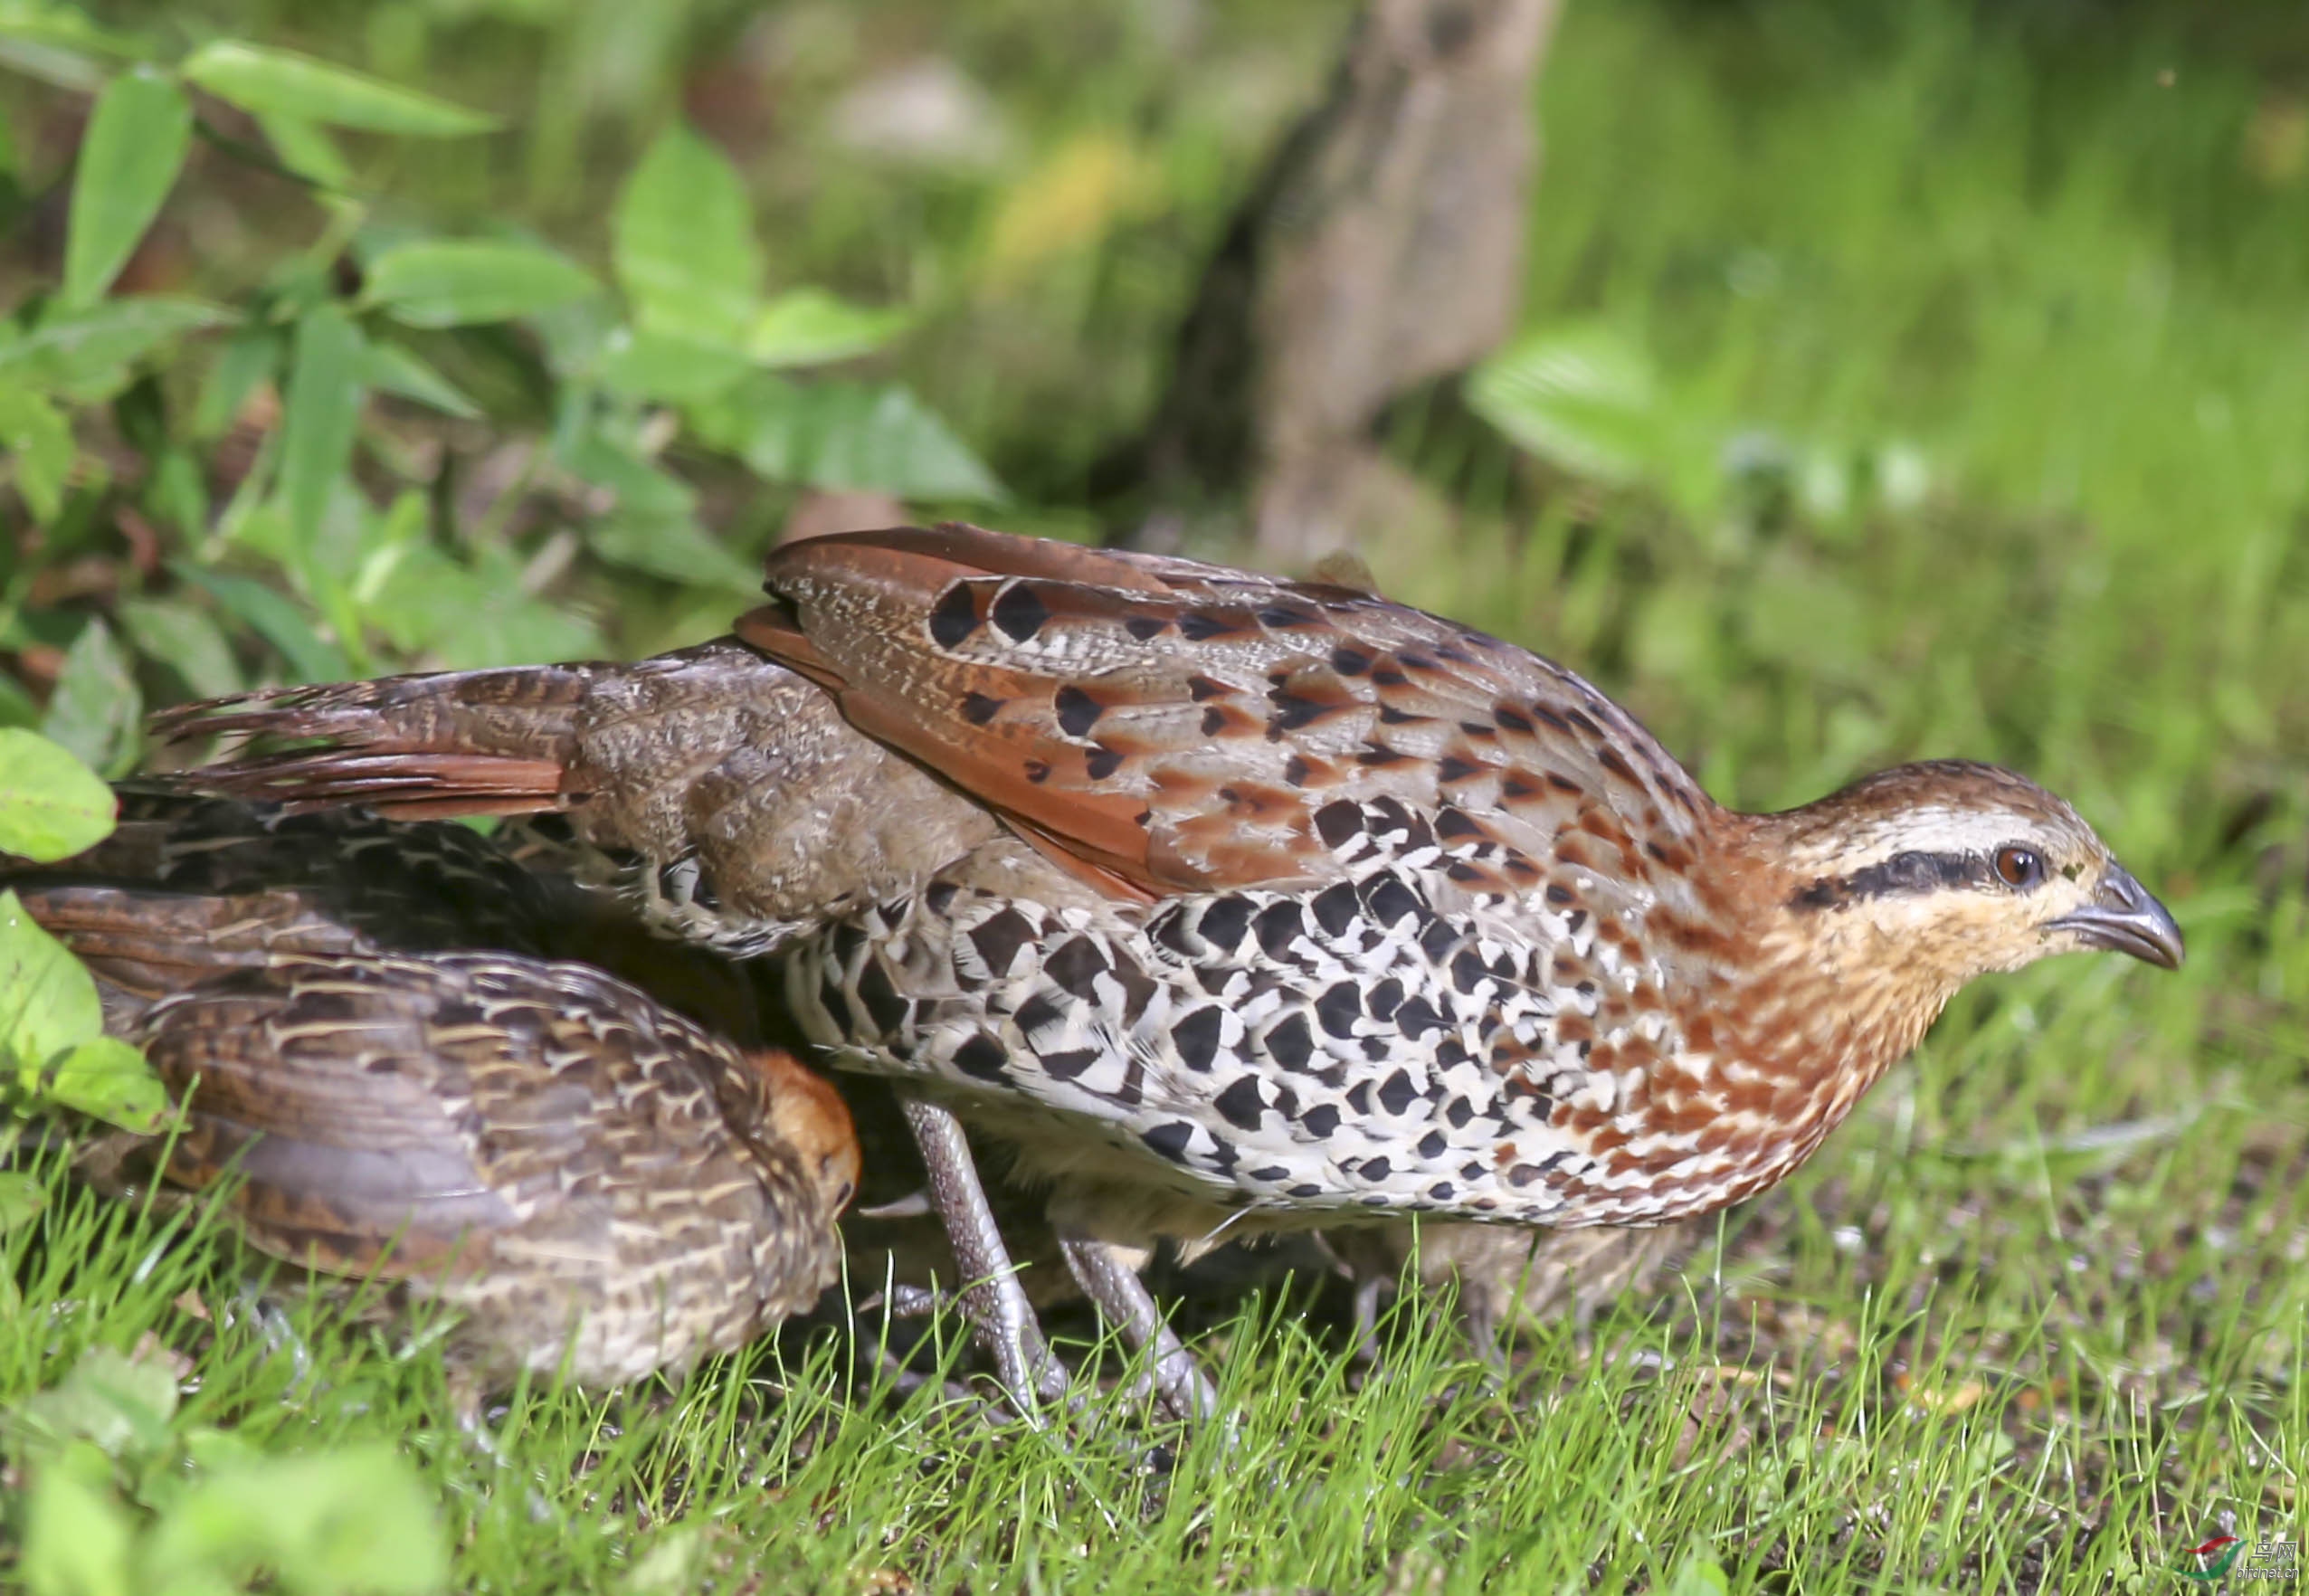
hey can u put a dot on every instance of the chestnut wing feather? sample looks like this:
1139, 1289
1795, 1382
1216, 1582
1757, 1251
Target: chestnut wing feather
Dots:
1178, 727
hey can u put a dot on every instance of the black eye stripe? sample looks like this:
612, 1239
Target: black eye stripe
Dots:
1903, 873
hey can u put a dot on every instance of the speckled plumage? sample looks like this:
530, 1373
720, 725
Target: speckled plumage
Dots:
549, 1154
1241, 902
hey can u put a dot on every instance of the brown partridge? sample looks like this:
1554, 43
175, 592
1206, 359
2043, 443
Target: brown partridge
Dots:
1240, 903
581, 1179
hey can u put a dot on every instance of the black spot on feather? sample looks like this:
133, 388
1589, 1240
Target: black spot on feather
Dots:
953, 617
1019, 611
1242, 1105
1077, 711
1197, 1038
982, 1058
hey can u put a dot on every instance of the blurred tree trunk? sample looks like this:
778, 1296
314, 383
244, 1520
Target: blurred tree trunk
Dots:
1382, 249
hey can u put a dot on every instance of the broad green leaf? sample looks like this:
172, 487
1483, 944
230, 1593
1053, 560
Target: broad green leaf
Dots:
16, 707
674, 546
354, 1518
276, 618
49, 22
52, 806
250, 356
680, 1560
645, 364
38, 441
176, 492
326, 367
683, 242
119, 1404
187, 639
129, 157
471, 617
810, 326
87, 353
393, 369
452, 282
281, 82
642, 489
306, 148
78, 1537
21, 1198
1700, 1575
849, 436
96, 711
106, 1078
52, 64
1584, 398
48, 1002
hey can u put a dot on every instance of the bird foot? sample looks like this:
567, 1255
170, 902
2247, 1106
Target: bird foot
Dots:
995, 1305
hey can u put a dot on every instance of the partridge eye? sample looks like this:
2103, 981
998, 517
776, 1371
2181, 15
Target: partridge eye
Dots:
2019, 866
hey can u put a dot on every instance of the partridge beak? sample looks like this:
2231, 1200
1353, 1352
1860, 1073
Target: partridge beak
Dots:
2125, 918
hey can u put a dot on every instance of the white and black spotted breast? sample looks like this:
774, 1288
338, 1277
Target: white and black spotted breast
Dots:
1385, 1042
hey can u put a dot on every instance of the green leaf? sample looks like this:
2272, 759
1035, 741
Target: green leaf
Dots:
642, 489
1584, 398
176, 492
644, 365
49, 22
78, 1537
66, 68
87, 353
683, 242
846, 436
326, 366
39, 442
306, 149
22, 1200
118, 1404
252, 355
468, 618
96, 710
52, 806
129, 157
354, 1518
16, 707
393, 369
456, 282
281, 82
106, 1078
1700, 1575
276, 618
810, 326
184, 638
673, 547
48, 1002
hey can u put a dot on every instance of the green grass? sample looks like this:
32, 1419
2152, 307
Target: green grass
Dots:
2034, 1317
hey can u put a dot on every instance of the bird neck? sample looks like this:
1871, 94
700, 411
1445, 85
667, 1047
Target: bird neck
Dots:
1821, 1003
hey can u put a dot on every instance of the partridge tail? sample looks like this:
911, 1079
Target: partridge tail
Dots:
447, 743
724, 787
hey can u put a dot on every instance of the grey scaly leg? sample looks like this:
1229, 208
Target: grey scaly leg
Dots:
1114, 1287
995, 1302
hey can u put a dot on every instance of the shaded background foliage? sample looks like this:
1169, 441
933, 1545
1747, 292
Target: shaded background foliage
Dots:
1894, 379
